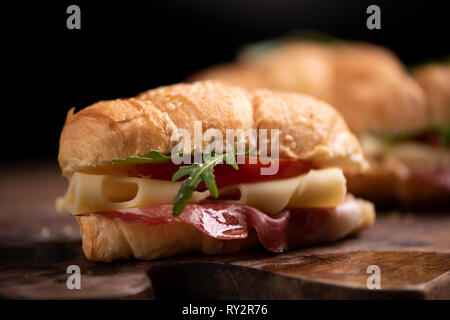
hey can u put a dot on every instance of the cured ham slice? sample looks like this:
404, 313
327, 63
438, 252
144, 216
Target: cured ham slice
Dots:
438, 176
285, 230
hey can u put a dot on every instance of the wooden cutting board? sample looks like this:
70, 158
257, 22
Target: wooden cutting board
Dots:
37, 245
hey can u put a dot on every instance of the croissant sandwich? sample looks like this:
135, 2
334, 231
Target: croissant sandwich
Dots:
132, 197
403, 121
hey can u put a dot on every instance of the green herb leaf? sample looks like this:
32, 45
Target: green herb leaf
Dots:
153, 157
197, 173
445, 137
259, 48
210, 182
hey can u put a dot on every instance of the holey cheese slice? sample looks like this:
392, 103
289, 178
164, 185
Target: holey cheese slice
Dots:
88, 193
324, 188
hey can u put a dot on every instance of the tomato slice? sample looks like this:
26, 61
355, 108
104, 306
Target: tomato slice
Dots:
434, 140
225, 174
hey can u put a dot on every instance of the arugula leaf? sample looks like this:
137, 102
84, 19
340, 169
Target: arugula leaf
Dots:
197, 173
445, 136
442, 132
154, 157
262, 47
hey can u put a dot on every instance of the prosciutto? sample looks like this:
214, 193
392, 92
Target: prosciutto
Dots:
287, 229
438, 176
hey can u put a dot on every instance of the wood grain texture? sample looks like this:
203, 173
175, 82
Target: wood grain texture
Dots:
37, 245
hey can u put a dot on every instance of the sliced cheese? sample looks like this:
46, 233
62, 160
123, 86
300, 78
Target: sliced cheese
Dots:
89, 193
409, 152
324, 188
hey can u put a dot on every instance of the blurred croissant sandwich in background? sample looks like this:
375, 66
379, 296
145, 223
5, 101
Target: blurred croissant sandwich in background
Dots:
403, 122
131, 199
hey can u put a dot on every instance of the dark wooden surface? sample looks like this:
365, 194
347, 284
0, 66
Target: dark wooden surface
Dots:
37, 245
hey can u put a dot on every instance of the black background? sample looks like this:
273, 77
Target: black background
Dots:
126, 47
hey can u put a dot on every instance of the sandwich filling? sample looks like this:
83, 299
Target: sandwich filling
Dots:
425, 155
285, 230
90, 193
296, 206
